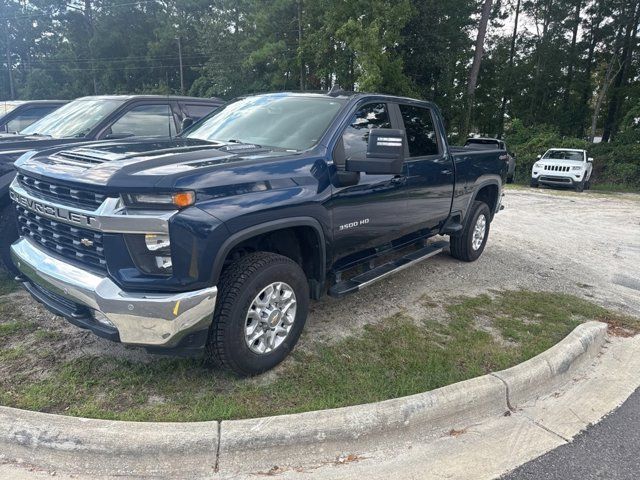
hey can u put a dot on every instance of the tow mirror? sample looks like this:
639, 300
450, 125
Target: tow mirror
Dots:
385, 153
590, 159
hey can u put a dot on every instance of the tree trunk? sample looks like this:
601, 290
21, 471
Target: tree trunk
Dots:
299, 2
506, 93
475, 66
568, 123
601, 95
12, 92
611, 122
586, 91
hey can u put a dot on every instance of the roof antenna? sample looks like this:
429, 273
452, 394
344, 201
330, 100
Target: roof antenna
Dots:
335, 91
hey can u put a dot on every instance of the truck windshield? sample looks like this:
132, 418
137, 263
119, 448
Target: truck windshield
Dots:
74, 119
564, 155
288, 122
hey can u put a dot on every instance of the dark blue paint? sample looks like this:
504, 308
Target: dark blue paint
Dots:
239, 192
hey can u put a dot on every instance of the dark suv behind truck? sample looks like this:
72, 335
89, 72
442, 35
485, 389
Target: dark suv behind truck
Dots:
89, 119
218, 240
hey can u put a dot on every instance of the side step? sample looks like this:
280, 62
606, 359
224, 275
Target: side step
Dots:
371, 276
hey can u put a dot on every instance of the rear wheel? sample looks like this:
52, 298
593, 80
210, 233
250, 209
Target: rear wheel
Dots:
469, 245
262, 307
8, 235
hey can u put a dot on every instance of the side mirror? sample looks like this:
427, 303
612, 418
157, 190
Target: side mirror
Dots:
590, 159
385, 153
539, 157
186, 123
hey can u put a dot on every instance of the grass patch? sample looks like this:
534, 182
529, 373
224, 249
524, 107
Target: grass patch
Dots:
397, 357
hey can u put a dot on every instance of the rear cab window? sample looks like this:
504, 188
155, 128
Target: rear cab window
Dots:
422, 138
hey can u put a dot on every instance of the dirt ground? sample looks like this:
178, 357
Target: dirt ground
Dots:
585, 244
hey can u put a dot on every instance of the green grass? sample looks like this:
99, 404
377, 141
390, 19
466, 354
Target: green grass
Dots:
400, 356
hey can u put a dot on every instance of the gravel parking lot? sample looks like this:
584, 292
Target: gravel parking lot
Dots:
585, 244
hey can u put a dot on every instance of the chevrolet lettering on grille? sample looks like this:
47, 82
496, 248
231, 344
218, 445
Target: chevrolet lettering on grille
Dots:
57, 213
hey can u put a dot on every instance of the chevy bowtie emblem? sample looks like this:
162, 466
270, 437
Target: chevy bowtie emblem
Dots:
86, 242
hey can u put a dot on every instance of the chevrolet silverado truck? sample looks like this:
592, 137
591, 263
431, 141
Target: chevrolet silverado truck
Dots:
88, 119
563, 167
215, 242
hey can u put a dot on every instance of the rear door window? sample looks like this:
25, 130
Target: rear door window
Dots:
197, 111
420, 129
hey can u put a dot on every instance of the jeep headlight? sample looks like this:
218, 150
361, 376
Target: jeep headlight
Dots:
577, 167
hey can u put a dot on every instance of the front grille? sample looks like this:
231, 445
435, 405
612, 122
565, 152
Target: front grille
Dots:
75, 243
77, 197
556, 168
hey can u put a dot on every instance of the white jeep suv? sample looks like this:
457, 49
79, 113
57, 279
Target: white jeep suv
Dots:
566, 167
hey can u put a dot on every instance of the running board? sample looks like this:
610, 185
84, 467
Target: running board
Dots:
378, 273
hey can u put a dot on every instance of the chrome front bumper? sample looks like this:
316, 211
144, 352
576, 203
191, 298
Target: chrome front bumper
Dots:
149, 319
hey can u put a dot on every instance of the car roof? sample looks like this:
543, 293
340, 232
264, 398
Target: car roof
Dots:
153, 97
568, 149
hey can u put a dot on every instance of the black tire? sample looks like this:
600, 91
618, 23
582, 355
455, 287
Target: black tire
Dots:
579, 187
8, 235
587, 185
533, 183
239, 285
461, 245
510, 179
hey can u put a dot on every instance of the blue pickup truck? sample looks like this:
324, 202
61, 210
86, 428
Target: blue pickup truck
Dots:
215, 242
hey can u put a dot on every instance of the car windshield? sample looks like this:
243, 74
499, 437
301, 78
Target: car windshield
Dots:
564, 155
74, 119
288, 122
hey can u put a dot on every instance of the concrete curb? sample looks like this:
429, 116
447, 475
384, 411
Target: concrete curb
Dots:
196, 450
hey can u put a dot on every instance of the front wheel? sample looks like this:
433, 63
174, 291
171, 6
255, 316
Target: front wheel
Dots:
262, 306
469, 245
534, 183
579, 187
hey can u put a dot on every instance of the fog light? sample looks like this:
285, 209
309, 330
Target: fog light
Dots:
164, 263
156, 242
102, 318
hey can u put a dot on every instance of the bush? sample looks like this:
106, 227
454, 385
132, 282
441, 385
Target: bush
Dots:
616, 164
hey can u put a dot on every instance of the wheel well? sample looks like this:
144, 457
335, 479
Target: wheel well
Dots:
489, 195
300, 244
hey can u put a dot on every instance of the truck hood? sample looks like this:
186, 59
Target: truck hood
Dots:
143, 164
12, 145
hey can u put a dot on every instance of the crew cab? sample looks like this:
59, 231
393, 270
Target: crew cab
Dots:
89, 119
215, 242
563, 167
19, 114
485, 143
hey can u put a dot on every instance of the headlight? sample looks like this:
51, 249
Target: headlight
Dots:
577, 167
151, 253
159, 200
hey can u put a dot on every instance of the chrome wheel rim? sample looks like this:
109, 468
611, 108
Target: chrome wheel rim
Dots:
270, 318
478, 232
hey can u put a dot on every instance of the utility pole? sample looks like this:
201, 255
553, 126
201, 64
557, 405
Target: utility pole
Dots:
180, 59
9, 69
89, 18
299, 2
